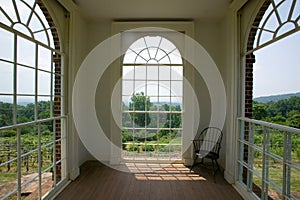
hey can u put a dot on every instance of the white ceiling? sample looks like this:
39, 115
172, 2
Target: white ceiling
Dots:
153, 9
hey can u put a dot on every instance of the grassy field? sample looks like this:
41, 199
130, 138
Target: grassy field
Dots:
276, 176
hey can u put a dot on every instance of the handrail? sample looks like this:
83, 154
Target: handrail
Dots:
14, 126
271, 125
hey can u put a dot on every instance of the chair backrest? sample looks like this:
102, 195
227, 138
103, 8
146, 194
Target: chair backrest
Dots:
209, 140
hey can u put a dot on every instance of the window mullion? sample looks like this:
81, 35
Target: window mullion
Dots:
19, 163
51, 85
15, 80
36, 84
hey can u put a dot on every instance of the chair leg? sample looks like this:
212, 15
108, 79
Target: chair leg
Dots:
213, 165
195, 160
218, 166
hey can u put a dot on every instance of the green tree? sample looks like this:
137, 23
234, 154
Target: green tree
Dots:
259, 111
140, 103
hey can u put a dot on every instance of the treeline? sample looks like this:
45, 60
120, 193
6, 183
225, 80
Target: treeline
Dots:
25, 113
284, 112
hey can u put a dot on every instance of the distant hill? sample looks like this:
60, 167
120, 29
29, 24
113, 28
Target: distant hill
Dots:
275, 98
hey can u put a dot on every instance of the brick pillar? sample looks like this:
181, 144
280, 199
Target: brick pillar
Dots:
57, 111
57, 84
250, 60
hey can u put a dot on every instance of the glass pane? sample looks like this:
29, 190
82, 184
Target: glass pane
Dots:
140, 120
35, 24
285, 28
175, 57
7, 45
44, 107
164, 73
272, 23
42, 16
42, 37
4, 20
24, 11
44, 83
44, 58
295, 15
164, 88
140, 72
144, 54
160, 54
163, 101
284, 9
176, 120
153, 120
177, 73
6, 78
25, 109
23, 29
152, 41
163, 121
129, 57
10, 10
152, 52
265, 37
127, 87
25, 80
140, 87
126, 100
177, 103
138, 45
166, 45
176, 88
165, 60
126, 120
152, 88
152, 73
6, 110
25, 52
154, 101
128, 72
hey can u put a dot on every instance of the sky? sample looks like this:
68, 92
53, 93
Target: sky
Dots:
277, 68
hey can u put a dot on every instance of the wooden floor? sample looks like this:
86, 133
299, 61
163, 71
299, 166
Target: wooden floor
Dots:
174, 181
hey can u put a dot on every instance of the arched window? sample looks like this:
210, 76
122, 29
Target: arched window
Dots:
152, 98
268, 162
31, 95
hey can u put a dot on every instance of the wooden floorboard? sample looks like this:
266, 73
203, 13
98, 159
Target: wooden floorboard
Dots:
175, 181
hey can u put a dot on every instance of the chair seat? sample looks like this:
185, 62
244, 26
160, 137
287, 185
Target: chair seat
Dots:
207, 154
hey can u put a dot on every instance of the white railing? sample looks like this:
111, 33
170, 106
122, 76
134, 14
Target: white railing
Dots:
269, 159
19, 155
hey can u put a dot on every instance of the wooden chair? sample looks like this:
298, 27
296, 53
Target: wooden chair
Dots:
207, 145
